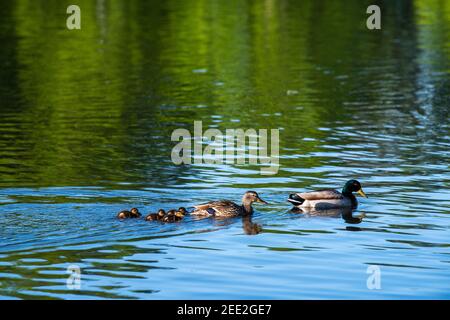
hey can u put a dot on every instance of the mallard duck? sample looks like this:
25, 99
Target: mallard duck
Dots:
327, 199
156, 216
125, 214
226, 208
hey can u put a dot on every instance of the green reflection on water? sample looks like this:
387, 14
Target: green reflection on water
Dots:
97, 106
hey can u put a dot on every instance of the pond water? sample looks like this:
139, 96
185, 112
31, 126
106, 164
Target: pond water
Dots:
86, 121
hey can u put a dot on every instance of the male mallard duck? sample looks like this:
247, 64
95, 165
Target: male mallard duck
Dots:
327, 199
133, 213
225, 208
156, 216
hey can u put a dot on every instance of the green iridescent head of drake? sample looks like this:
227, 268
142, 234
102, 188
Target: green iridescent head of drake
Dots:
353, 186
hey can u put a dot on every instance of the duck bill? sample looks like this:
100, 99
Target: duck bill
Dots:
261, 201
361, 193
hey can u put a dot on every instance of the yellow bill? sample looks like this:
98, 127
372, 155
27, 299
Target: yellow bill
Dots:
361, 193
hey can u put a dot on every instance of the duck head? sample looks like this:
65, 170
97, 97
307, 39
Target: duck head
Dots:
353, 186
251, 197
171, 212
161, 213
181, 212
135, 212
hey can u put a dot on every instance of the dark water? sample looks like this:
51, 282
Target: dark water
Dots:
86, 120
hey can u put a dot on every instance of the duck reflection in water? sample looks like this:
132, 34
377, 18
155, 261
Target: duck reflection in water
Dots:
344, 213
250, 227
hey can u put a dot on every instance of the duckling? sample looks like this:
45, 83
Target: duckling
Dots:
179, 215
226, 208
161, 214
135, 213
170, 216
328, 199
156, 216
125, 214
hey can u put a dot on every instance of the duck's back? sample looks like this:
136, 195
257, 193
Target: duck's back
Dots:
218, 208
322, 199
321, 194
124, 214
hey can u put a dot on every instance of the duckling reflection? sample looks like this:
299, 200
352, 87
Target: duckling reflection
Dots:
346, 213
250, 227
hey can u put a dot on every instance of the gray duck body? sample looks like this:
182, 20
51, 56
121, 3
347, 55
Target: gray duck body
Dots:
328, 198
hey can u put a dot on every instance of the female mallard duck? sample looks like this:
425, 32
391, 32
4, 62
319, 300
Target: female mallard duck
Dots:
225, 208
327, 199
125, 214
156, 216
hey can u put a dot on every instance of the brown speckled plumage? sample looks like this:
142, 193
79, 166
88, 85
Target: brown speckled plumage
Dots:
226, 208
